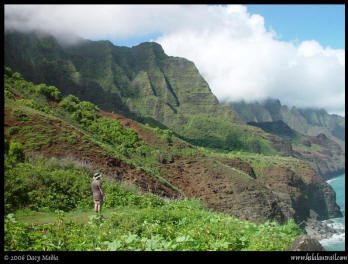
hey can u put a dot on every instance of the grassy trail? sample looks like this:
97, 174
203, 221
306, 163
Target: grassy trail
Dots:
79, 216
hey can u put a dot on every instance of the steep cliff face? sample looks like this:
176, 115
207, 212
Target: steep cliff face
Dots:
316, 136
301, 196
325, 155
310, 122
287, 189
142, 78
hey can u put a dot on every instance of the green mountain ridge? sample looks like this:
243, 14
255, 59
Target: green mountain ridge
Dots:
324, 154
141, 83
129, 73
308, 121
309, 125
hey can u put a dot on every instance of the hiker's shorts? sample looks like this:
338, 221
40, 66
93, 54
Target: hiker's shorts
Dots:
98, 202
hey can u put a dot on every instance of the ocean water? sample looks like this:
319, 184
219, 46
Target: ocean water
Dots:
337, 242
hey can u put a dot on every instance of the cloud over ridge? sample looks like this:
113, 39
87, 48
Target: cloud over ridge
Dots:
232, 49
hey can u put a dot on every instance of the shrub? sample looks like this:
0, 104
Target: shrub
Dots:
17, 76
8, 71
37, 186
85, 118
16, 152
33, 104
69, 103
85, 113
112, 132
63, 185
6, 146
117, 195
20, 115
8, 95
87, 106
50, 92
13, 130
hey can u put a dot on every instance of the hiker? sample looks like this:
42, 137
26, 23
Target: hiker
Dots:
98, 194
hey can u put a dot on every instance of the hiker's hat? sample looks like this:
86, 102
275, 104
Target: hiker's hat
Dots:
96, 175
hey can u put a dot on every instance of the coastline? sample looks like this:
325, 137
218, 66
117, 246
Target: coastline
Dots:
335, 241
330, 233
321, 230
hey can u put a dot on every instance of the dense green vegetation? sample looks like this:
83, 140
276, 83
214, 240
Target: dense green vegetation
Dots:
211, 132
141, 83
60, 189
40, 92
37, 183
83, 115
106, 130
134, 222
256, 161
174, 226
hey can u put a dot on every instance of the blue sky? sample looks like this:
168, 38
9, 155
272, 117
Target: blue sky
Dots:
131, 41
324, 23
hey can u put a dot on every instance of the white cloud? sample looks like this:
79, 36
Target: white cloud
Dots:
235, 53
245, 61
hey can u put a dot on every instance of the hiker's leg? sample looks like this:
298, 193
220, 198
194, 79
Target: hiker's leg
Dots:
96, 207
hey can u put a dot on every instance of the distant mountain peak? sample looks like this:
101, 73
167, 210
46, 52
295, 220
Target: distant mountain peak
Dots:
308, 121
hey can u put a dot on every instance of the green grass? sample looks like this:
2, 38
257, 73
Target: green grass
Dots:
45, 216
255, 160
177, 225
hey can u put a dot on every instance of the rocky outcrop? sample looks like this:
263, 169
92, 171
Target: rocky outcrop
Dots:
319, 230
240, 165
328, 160
312, 126
164, 158
270, 193
281, 146
305, 243
323, 200
301, 193
325, 155
310, 122
290, 189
